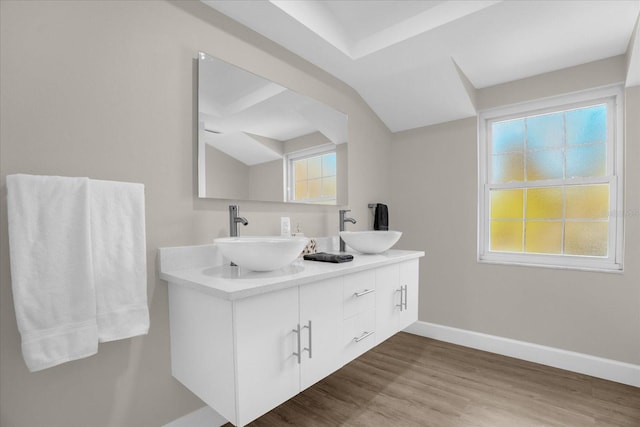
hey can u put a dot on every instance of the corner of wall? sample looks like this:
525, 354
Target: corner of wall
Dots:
468, 86
632, 57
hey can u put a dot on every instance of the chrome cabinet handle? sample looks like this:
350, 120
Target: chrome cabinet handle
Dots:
404, 303
366, 291
403, 297
299, 353
364, 335
310, 342
401, 290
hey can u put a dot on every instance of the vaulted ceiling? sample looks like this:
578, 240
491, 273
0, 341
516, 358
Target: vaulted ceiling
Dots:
409, 60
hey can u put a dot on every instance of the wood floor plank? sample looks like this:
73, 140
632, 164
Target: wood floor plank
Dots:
414, 381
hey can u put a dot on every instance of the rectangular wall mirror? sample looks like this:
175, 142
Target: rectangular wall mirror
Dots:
260, 141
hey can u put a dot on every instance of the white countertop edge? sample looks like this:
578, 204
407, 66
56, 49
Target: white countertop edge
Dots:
196, 279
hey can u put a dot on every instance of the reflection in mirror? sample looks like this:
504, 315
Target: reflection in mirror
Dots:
260, 141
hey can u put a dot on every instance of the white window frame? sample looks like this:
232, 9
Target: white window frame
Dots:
613, 262
289, 158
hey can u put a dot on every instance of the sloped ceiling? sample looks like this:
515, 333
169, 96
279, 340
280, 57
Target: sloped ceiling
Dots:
410, 60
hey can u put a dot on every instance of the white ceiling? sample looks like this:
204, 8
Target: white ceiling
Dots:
401, 55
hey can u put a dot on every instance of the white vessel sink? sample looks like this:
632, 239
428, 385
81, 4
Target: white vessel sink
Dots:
266, 253
371, 242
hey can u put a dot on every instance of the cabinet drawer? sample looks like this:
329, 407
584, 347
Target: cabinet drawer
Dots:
359, 293
359, 334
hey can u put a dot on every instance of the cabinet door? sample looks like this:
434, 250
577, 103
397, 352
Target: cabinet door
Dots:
320, 304
388, 300
396, 298
409, 278
267, 372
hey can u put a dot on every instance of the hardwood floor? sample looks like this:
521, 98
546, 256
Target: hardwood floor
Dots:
414, 381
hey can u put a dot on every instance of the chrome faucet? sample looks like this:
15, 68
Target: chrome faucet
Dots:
343, 219
234, 219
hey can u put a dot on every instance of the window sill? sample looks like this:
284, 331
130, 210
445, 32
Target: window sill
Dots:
592, 266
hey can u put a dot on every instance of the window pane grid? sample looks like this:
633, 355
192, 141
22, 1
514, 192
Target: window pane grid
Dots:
534, 151
520, 213
314, 178
526, 150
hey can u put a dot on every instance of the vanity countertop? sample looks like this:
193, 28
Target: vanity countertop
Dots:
200, 268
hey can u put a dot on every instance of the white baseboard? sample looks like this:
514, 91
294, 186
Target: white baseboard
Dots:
203, 417
621, 372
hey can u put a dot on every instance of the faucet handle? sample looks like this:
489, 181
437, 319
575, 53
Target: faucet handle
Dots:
345, 210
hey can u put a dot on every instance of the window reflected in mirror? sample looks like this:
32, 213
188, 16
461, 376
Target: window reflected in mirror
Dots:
312, 176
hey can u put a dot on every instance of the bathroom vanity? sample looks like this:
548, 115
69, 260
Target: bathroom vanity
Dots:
245, 342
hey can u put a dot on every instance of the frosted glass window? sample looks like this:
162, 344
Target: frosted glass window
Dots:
559, 145
314, 178
508, 136
315, 167
329, 164
315, 188
551, 212
301, 190
587, 125
587, 202
546, 131
507, 204
586, 160
586, 238
508, 167
544, 203
550, 188
506, 236
550, 148
547, 164
300, 169
543, 237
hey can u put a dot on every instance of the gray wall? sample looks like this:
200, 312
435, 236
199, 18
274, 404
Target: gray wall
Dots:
107, 90
587, 312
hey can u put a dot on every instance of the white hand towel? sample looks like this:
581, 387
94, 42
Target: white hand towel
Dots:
78, 265
119, 259
51, 268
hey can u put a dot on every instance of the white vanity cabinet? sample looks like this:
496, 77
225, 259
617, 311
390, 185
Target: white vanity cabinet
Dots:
245, 342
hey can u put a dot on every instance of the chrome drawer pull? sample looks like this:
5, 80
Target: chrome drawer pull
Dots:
366, 291
364, 335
